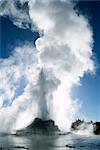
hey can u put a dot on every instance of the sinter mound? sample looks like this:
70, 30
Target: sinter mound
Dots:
40, 126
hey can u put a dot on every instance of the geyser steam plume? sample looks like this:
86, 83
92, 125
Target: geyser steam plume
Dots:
46, 73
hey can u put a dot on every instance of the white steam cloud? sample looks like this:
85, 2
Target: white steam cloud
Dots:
61, 57
17, 12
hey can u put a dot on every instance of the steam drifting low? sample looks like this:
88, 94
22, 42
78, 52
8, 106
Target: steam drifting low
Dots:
44, 74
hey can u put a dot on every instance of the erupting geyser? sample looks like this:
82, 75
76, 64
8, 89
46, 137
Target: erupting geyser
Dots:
48, 71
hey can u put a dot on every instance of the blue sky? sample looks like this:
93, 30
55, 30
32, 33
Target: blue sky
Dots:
11, 35
89, 92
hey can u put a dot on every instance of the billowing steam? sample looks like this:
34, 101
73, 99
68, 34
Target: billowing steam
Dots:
37, 81
85, 129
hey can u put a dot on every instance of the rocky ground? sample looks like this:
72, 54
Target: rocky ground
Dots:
48, 127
